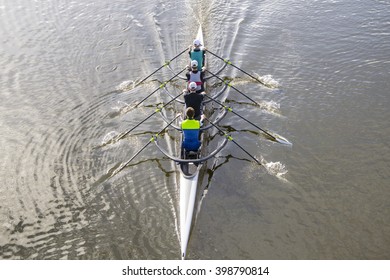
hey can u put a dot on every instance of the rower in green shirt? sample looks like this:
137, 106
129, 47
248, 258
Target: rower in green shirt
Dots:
197, 52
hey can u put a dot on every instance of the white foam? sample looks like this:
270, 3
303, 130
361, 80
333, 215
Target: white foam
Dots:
271, 107
126, 85
277, 169
109, 137
269, 81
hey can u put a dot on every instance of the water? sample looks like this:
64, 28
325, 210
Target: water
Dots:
67, 68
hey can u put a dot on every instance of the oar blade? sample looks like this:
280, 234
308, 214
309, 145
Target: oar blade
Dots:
277, 138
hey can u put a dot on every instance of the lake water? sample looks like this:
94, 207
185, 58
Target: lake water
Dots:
67, 72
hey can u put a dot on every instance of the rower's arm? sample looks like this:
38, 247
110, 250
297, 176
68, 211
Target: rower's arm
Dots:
189, 50
202, 73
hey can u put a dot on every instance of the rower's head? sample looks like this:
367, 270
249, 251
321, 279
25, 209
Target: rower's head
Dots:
190, 113
192, 87
194, 65
197, 43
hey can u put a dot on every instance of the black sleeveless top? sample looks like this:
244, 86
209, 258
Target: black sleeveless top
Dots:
194, 100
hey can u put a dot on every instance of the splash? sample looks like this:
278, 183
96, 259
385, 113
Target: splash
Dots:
268, 81
276, 169
271, 107
120, 105
126, 85
123, 108
112, 138
109, 138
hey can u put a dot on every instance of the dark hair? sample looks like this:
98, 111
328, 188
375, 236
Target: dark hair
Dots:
190, 112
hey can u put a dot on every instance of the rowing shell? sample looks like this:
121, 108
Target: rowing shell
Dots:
188, 184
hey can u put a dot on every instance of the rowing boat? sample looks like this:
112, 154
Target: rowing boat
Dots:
188, 184
190, 164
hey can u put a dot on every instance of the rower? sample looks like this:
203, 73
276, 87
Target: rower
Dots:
191, 128
197, 53
195, 100
194, 75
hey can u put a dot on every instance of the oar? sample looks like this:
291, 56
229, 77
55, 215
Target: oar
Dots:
278, 138
148, 117
152, 139
160, 87
222, 80
166, 64
227, 61
230, 138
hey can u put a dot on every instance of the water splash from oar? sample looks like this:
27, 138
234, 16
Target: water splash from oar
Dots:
109, 138
122, 108
270, 107
276, 169
268, 80
126, 85
129, 85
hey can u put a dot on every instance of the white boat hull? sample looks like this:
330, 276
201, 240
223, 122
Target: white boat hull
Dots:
188, 190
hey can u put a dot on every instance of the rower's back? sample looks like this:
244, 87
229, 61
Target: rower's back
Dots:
191, 129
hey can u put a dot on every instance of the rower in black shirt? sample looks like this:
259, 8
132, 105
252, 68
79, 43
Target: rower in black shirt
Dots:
195, 100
